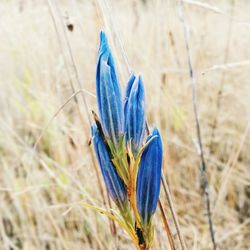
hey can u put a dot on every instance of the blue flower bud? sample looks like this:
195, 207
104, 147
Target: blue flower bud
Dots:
113, 182
134, 112
108, 91
149, 177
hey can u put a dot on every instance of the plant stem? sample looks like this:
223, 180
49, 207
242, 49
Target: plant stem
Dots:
167, 228
171, 206
222, 80
204, 177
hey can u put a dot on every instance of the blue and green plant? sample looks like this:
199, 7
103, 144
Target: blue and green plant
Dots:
131, 166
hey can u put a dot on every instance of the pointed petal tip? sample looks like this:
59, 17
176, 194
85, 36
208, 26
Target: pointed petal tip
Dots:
103, 37
93, 129
140, 77
155, 131
104, 45
129, 86
140, 87
136, 85
132, 75
131, 79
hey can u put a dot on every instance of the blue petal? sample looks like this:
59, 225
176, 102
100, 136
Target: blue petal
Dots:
129, 86
134, 112
109, 98
149, 177
113, 182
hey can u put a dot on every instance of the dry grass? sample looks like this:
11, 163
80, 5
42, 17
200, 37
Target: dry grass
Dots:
40, 191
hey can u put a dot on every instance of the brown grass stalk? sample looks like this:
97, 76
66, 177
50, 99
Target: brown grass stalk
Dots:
204, 177
96, 169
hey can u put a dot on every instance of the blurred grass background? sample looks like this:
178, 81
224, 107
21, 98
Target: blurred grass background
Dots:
40, 191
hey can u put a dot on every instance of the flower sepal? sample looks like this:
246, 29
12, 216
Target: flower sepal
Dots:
119, 159
145, 233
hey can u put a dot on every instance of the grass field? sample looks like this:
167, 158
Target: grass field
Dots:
43, 62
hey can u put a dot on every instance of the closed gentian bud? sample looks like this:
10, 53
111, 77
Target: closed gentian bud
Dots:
113, 182
134, 113
149, 177
108, 91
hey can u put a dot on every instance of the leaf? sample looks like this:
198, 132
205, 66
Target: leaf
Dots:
130, 231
